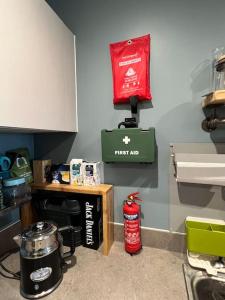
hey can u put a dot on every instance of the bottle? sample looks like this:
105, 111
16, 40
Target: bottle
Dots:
218, 69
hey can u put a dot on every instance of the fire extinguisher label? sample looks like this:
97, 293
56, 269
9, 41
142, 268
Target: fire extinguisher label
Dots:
130, 217
132, 235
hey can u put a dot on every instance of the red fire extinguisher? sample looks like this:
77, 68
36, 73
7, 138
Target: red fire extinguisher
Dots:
132, 224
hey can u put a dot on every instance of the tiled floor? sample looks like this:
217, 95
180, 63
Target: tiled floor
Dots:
152, 275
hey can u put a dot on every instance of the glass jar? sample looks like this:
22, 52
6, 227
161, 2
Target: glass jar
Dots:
218, 67
15, 190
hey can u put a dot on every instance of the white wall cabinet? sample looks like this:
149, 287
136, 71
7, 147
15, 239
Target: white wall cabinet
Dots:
37, 68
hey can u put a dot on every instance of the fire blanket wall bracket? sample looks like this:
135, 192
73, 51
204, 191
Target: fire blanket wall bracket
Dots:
128, 145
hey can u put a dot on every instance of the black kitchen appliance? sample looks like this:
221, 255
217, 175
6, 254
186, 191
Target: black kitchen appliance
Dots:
83, 212
63, 211
42, 258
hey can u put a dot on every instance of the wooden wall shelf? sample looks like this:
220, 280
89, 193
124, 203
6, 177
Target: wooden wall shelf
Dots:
104, 190
214, 98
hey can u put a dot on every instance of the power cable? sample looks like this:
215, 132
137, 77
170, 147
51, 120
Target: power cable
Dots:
15, 276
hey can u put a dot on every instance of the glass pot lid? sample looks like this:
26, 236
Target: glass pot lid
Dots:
39, 229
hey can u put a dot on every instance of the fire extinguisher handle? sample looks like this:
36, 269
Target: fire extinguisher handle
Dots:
133, 196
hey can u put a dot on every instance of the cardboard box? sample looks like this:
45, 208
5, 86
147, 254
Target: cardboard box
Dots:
92, 233
40, 170
60, 173
76, 171
93, 173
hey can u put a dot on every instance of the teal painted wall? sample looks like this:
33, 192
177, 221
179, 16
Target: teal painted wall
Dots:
14, 140
183, 36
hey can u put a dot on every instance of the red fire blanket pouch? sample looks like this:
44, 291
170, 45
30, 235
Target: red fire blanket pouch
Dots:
130, 67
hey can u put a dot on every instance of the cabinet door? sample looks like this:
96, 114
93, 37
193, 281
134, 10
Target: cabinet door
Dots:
37, 68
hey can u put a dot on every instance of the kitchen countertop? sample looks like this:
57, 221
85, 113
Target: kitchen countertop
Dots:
154, 274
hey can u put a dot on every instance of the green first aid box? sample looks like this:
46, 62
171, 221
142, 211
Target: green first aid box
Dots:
128, 145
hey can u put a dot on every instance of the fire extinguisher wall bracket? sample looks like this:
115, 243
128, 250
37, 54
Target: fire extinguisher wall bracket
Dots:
131, 122
128, 123
133, 104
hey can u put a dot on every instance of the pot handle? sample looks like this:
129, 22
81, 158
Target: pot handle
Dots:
71, 230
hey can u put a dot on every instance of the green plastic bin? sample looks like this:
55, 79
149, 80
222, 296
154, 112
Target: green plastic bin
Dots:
205, 238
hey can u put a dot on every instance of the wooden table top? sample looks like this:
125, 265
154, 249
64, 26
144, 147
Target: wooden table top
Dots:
94, 190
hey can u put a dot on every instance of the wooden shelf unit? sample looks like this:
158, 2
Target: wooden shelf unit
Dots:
18, 203
104, 190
